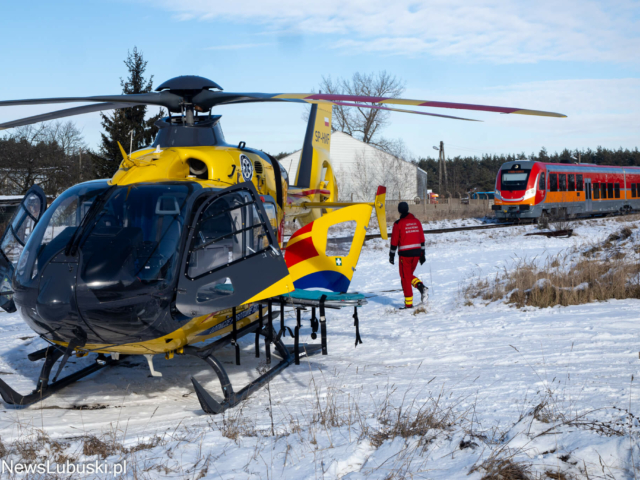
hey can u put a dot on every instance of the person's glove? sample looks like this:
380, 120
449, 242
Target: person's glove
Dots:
422, 259
392, 259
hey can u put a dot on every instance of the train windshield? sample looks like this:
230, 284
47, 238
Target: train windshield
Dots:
514, 179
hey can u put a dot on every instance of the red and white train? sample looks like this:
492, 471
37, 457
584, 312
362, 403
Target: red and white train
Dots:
528, 190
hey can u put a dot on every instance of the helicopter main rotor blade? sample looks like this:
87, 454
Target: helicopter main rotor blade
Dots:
64, 113
168, 100
378, 107
222, 98
357, 105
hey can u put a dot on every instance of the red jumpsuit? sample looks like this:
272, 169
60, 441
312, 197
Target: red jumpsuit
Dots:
408, 238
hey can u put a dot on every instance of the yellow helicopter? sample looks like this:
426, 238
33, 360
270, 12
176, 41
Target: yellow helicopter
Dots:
184, 245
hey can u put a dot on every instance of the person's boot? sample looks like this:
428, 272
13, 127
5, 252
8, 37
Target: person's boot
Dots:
423, 291
406, 307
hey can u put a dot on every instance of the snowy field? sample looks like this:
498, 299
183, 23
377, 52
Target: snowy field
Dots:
488, 366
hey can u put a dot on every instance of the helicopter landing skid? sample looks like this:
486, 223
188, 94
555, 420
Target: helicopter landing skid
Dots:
232, 398
43, 389
288, 355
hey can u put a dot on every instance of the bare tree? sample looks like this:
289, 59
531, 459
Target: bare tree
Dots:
376, 167
363, 123
46, 154
66, 134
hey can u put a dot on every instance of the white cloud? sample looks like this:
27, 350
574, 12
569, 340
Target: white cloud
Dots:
500, 31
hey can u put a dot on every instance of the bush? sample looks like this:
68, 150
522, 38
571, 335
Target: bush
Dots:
602, 272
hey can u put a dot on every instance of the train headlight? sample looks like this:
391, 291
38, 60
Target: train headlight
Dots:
529, 194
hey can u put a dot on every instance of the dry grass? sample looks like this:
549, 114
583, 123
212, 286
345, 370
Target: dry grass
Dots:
600, 272
556, 475
38, 446
496, 468
235, 425
414, 421
106, 446
94, 446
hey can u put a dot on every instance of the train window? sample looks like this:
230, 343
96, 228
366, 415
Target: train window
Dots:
542, 185
603, 190
633, 190
572, 182
610, 190
617, 187
514, 179
579, 184
553, 182
563, 182
596, 191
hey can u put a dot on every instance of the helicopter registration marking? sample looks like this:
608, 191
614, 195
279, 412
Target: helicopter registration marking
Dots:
322, 137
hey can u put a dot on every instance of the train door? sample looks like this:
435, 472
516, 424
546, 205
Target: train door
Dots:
587, 195
15, 237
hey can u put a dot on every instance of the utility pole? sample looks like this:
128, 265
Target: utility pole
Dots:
442, 171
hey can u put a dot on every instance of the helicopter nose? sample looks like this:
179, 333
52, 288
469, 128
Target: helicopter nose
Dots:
55, 296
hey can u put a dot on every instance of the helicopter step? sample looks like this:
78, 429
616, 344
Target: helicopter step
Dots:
43, 389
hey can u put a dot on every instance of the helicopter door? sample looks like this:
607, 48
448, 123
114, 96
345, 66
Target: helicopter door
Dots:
232, 255
14, 239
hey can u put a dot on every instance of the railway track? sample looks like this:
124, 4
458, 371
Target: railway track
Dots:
435, 231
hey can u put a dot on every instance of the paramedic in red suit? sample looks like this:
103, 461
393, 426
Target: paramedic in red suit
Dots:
408, 238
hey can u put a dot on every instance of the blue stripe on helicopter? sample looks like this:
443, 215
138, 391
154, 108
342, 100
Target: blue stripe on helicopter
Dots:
334, 281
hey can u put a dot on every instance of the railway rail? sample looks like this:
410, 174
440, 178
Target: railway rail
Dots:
435, 231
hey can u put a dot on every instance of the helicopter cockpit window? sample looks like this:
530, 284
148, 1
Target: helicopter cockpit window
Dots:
57, 226
21, 228
134, 240
270, 208
230, 229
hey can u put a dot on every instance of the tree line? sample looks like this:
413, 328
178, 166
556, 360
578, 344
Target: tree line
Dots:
468, 173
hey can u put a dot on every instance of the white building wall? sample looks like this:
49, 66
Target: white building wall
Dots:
360, 168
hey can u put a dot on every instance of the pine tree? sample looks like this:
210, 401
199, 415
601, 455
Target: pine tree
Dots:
119, 124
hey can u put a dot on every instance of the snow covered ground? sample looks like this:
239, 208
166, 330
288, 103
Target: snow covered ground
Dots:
488, 366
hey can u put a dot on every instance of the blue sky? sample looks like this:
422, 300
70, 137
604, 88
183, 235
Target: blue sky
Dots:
579, 58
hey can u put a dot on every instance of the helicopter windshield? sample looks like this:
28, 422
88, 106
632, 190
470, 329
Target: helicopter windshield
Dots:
134, 240
56, 228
